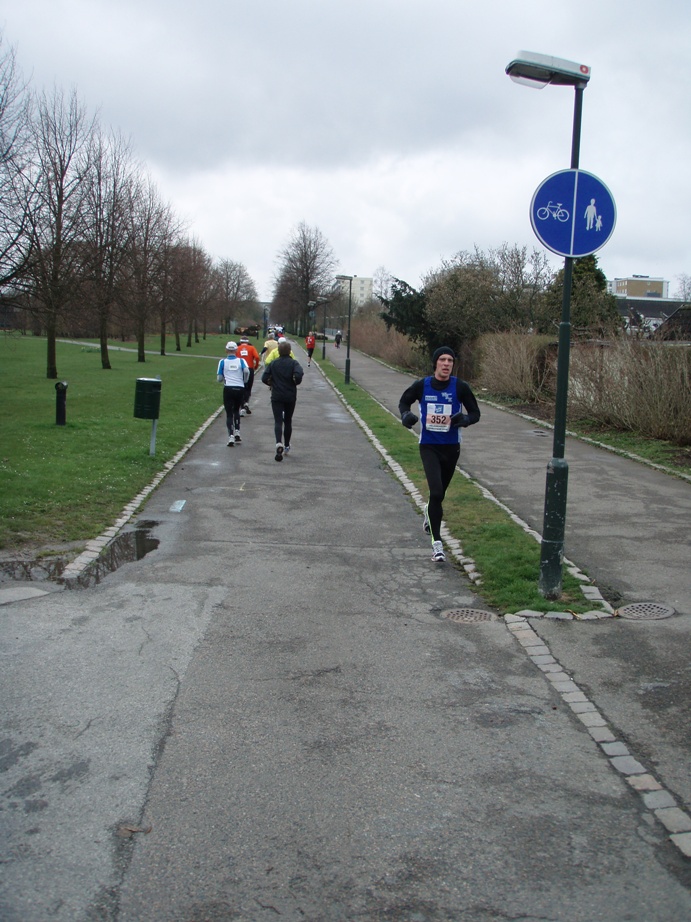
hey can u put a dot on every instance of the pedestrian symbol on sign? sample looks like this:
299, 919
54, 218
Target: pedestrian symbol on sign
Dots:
591, 215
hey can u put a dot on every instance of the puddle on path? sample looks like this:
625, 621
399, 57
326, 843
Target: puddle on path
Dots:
124, 548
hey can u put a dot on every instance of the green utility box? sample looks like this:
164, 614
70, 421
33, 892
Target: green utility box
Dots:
147, 398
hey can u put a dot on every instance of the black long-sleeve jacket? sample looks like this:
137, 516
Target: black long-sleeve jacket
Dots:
283, 376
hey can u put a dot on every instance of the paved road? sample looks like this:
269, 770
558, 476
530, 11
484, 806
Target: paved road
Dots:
274, 693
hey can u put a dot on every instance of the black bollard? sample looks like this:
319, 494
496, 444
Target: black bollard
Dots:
61, 403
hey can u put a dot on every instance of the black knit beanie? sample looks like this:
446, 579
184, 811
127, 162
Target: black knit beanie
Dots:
442, 350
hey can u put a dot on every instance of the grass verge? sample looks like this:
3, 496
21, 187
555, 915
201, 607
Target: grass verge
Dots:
506, 556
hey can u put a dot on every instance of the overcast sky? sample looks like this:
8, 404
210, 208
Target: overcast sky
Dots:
388, 124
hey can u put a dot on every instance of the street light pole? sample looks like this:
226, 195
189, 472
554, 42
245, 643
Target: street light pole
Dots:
314, 304
538, 71
349, 279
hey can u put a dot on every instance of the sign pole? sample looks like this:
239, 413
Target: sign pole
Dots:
554, 521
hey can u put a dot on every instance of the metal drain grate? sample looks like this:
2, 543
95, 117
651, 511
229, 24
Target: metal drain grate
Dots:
644, 611
467, 615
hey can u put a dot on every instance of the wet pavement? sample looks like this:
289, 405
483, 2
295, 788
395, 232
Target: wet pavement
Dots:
269, 715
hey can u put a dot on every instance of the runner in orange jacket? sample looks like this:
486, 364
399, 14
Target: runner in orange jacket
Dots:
247, 352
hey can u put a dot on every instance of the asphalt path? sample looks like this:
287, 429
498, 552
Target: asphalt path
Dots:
268, 716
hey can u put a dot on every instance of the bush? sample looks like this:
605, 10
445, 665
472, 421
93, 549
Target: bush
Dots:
633, 385
516, 365
371, 336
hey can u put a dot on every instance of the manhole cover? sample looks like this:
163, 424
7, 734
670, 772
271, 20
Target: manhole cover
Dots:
467, 615
645, 611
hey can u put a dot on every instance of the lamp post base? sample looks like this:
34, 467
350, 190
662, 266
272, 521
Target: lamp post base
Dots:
552, 547
347, 371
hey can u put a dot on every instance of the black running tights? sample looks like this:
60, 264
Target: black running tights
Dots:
283, 420
439, 463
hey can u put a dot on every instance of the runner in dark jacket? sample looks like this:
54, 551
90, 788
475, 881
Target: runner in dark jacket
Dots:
283, 376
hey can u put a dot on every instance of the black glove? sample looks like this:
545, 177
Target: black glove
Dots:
409, 419
459, 420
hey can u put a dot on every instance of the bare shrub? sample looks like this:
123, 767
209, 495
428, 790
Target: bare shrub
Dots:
634, 385
515, 365
370, 335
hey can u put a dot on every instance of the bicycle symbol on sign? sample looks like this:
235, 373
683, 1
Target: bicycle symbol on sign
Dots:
556, 211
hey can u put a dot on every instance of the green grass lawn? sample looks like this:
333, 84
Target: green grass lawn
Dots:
62, 484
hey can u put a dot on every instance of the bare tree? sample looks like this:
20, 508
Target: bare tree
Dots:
107, 228
479, 292
16, 198
523, 278
684, 288
237, 290
189, 289
61, 134
461, 297
382, 283
306, 269
152, 230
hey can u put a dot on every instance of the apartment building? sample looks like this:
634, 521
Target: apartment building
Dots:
639, 286
362, 289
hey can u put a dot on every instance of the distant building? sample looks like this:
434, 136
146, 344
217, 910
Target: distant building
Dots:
362, 289
639, 286
643, 302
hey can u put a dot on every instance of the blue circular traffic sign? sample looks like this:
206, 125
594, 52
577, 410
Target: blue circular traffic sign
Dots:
573, 213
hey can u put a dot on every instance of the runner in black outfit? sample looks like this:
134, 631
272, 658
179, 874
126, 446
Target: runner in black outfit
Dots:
442, 398
283, 375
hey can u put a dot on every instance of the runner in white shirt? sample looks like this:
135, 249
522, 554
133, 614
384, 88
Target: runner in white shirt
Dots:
233, 372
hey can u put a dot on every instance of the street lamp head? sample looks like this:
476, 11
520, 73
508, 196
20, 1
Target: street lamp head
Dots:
537, 70
345, 278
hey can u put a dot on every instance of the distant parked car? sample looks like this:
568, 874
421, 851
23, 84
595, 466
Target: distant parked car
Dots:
252, 330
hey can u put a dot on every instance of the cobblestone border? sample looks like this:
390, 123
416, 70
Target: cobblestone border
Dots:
655, 796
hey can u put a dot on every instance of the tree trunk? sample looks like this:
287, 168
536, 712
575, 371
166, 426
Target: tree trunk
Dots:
141, 354
52, 367
103, 336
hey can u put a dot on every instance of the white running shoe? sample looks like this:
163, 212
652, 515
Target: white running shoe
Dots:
237, 437
279, 452
286, 450
231, 441
425, 522
438, 551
